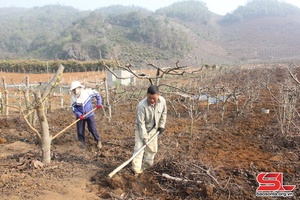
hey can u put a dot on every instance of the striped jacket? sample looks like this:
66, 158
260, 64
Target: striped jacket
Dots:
83, 104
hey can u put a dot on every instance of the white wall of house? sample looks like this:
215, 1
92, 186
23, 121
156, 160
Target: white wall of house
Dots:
125, 78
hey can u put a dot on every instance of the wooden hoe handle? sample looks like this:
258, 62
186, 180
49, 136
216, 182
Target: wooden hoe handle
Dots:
134, 155
72, 124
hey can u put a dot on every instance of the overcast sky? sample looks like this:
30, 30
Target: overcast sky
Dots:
217, 6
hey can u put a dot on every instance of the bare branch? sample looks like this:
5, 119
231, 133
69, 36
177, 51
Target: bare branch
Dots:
161, 72
178, 179
53, 82
191, 93
32, 128
207, 172
294, 76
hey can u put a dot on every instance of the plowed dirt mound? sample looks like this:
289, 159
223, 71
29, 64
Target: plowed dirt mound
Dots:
214, 163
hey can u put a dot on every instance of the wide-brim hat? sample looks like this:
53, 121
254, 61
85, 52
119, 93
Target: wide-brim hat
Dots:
76, 84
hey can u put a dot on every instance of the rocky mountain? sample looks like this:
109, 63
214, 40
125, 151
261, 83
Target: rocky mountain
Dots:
186, 31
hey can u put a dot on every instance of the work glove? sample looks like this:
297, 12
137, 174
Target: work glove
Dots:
98, 106
145, 141
81, 117
161, 130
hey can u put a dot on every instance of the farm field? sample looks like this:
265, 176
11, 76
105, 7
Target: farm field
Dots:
36, 78
216, 153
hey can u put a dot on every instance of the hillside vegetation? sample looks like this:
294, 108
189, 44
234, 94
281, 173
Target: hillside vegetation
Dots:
262, 30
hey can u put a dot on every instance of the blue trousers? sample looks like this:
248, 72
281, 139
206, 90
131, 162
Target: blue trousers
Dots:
91, 124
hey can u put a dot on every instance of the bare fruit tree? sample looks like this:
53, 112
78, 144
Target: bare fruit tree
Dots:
40, 97
38, 105
286, 96
160, 74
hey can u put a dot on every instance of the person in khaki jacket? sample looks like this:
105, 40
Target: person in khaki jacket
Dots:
151, 117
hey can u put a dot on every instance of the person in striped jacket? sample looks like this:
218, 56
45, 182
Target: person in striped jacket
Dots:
82, 103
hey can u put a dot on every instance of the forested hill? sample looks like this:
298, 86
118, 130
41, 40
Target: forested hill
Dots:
262, 30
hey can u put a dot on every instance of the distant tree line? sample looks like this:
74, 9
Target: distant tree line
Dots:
39, 66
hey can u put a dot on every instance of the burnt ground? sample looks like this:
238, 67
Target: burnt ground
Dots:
214, 161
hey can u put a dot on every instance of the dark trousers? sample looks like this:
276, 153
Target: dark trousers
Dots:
91, 127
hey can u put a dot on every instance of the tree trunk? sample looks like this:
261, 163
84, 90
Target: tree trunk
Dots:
32, 115
46, 138
107, 100
40, 100
5, 102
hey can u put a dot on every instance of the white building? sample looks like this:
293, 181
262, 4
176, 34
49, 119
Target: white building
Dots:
123, 78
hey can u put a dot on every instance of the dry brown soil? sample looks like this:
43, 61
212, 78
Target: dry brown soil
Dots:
218, 161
